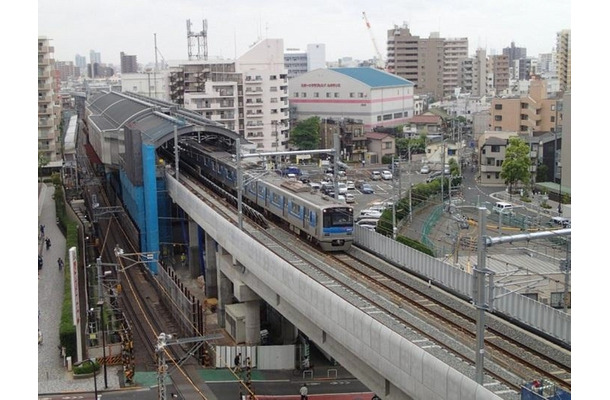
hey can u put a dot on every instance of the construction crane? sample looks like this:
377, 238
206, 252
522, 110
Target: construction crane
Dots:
379, 61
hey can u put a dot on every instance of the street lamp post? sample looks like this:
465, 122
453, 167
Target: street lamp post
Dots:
560, 194
100, 304
94, 376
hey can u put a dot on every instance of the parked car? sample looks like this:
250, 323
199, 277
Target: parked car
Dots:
315, 185
425, 169
375, 175
350, 185
386, 175
433, 176
349, 198
366, 188
369, 214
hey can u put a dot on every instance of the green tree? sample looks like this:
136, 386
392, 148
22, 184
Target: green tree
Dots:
516, 165
542, 173
42, 161
306, 134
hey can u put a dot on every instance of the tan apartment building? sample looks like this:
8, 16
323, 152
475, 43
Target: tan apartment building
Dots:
533, 113
564, 59
499, 72
49, 107
432, 64
454, 51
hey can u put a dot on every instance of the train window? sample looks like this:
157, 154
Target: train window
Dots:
261, 192
313, 219
338, 218
277, 200
295, 209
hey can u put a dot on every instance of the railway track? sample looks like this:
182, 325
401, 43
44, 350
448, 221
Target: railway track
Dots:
386, 291
508, 360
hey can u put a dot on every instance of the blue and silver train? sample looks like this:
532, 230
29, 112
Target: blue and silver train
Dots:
317, 218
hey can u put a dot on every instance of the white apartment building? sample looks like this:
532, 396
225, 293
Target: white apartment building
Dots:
153, 84
298, 62
374, 97
265, 95
49, 107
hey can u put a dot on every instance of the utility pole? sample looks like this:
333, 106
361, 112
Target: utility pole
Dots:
443, 175
394, 229
239, 183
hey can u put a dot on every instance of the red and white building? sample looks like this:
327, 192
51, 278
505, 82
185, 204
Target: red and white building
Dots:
375, 97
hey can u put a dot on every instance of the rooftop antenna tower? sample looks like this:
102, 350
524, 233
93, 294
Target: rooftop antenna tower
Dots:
198, 39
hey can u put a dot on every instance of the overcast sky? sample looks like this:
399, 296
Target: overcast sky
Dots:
112, 26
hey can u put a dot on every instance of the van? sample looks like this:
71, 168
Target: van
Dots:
561, 221
502, 207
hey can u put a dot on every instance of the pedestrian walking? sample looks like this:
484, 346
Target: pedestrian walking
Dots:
39, 262
60, 263
41, 230
237, 362
48, 243
303, 391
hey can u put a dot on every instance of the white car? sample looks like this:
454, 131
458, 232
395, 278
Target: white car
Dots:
424, 170
349, 198
350, 185
369, 214
386, 174
342, 187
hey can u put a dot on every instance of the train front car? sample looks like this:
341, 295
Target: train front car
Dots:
337, 228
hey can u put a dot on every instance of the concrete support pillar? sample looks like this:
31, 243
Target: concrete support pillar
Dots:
211, 284
253, 322
193, 250
225, 294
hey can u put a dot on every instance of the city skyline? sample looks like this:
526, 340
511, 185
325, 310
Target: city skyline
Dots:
112, 26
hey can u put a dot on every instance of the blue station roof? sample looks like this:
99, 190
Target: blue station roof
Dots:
373, 77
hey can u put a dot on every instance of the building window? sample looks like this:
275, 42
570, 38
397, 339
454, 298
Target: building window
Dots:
498, 106
327, 94
273, 89
304, 94
351, 94
360, 94
296, 94
552, 118
397, 115
495, 148
523, 105
316, 94
379, 118
387, 145
498, 118
336, 95
387, 117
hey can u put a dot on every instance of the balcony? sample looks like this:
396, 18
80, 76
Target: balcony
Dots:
45, 122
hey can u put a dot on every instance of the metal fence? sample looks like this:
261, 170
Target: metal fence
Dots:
548, 320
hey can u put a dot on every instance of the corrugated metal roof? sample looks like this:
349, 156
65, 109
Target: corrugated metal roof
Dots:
373, 77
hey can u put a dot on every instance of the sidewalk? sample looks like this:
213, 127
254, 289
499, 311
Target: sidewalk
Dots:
53, 376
